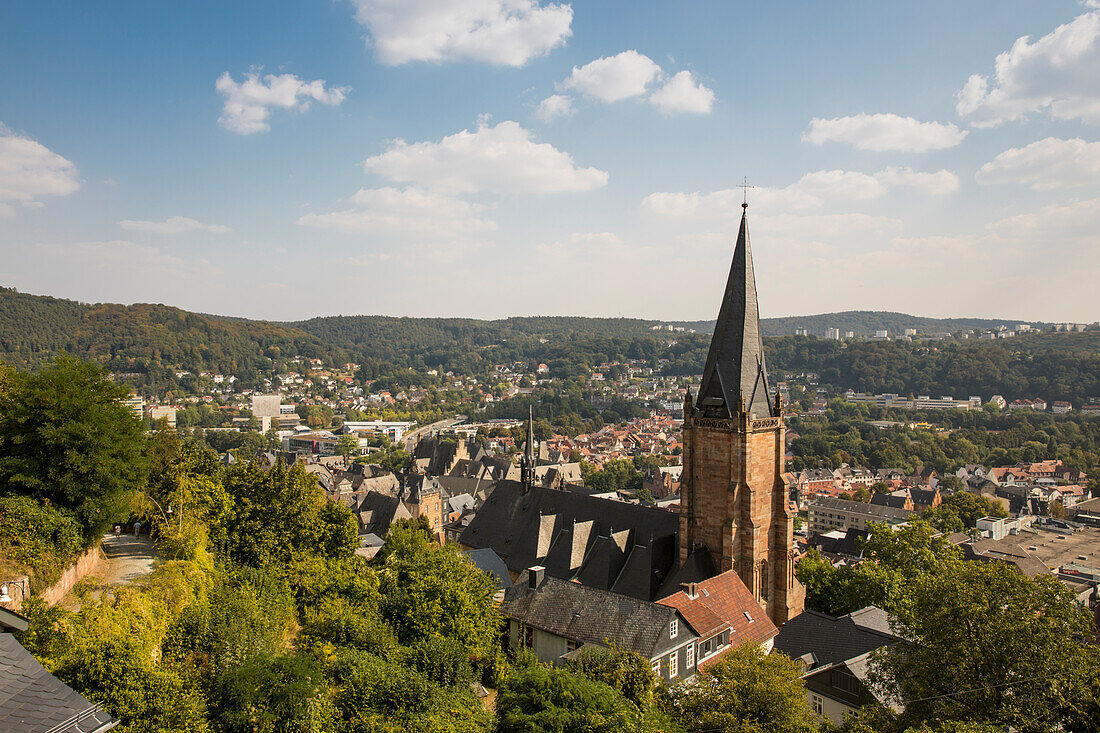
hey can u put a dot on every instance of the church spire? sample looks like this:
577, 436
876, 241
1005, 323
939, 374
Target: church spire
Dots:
735, 377
527, 470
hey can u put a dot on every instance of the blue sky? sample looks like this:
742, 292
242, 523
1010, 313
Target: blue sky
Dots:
496, 157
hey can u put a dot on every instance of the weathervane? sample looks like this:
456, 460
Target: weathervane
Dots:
745, 187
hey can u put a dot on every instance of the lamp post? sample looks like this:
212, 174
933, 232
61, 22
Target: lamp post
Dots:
10, 585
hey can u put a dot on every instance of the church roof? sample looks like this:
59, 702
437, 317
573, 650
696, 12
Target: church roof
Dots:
612, 545
735, 363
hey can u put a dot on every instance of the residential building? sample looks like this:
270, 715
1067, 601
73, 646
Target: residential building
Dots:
826, 514
834, 653
554, 618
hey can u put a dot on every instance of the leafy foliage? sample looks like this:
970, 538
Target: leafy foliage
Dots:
747, 691
66, 440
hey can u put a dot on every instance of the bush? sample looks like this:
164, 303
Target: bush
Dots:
42, 537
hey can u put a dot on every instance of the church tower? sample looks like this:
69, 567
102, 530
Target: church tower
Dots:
733, 501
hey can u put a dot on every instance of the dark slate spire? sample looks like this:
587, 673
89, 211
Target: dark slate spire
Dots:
527, 470
735, 368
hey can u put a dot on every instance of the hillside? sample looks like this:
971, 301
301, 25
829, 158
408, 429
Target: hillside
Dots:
866, 323
152, 341
142, 337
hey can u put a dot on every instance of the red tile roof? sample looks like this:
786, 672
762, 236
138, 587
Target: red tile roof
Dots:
724, 602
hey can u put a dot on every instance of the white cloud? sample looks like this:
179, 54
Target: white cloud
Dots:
811, 191
682, 93
846, 185
556, 105
595, 238
882, 132
171, 225
503, 159
613, 78
1045, 164
410, 211
249, 103
1074, 224
29, 170
500, 32
935, 183
1059, 73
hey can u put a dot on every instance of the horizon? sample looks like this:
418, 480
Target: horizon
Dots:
1006, 321
352, 157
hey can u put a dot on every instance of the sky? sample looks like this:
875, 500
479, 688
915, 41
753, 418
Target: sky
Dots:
487, 158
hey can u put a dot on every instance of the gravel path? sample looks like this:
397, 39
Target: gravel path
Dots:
129, 558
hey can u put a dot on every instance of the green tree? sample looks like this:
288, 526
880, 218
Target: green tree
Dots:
66, 439
279, 514
144, 697
430, 590
747, 690
273, 694
971, 507
989, 645
347, 445
628, 673
557, 701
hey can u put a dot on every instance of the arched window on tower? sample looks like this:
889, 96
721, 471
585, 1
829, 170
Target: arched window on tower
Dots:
764, 581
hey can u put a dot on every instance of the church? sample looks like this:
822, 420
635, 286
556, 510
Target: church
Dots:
733, 515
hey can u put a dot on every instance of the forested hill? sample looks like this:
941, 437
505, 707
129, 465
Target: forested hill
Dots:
152, 341
141, 337
866, 323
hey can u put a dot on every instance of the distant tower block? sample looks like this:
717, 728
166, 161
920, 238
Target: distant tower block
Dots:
266, 408
733, 501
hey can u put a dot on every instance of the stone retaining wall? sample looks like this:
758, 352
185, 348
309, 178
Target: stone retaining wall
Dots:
85, 564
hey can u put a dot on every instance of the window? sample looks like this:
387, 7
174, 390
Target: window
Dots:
689, 657
656, 667
673, 628
844, 681
528, 636
674, 664
571, 646
818, 704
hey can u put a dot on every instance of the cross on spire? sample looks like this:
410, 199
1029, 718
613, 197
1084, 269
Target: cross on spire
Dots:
745, 188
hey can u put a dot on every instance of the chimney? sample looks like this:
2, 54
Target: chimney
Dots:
534, 576
691, 590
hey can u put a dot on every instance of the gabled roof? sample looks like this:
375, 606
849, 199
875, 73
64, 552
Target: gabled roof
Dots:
626, 548
34, 701
832, 639
490, 563
735, 363
724, 602
594, 616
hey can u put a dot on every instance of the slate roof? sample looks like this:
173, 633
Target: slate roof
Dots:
490, 563
34, 701
895, 500
832, 639
735, 362
376, 512
606, 544
720, 603
594, 616
923, 497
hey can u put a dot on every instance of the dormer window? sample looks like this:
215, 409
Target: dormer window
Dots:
673, 628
